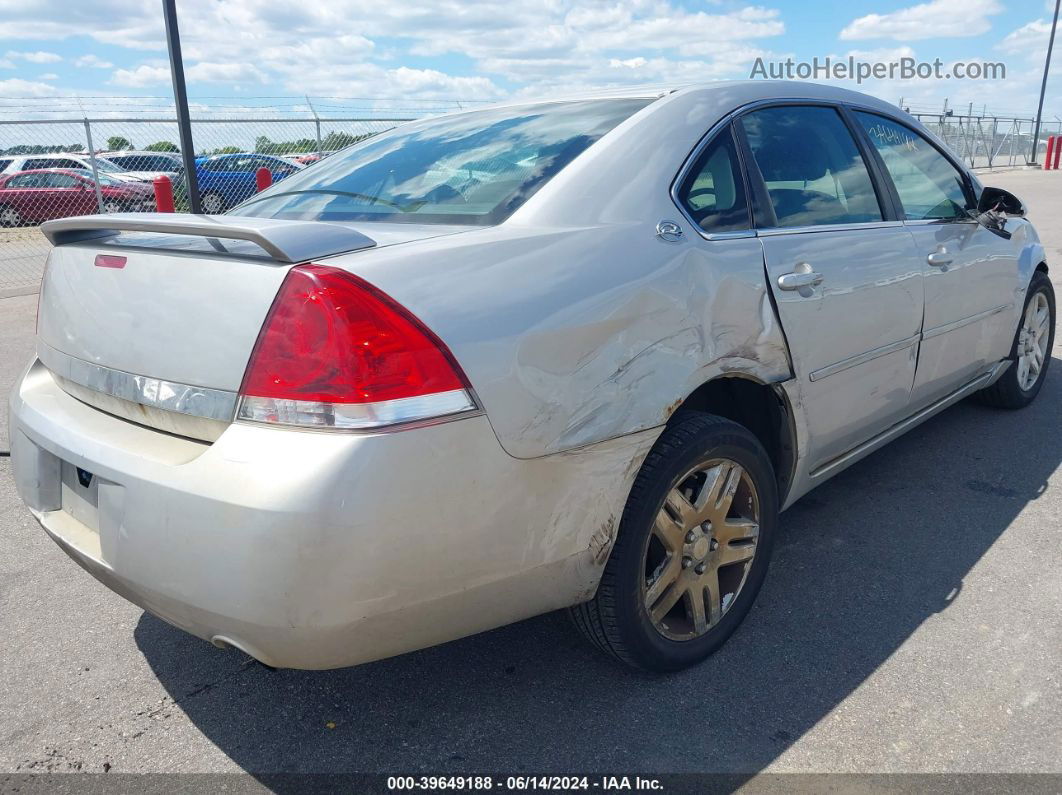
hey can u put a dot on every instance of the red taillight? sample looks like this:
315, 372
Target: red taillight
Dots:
336, 351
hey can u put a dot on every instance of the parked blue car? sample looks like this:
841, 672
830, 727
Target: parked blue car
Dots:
227, 180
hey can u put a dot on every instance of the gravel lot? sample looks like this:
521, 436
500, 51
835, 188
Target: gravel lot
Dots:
912, 622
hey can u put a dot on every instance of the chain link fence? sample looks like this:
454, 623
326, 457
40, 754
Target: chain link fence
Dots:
55, 169
990, 141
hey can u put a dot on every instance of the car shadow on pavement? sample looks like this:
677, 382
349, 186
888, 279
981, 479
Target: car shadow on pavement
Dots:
860, 564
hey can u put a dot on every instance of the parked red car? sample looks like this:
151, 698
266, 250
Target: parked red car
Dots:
42, 194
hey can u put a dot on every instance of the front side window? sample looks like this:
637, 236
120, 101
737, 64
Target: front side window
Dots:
469, 168
811, 165
929, 186
714, 193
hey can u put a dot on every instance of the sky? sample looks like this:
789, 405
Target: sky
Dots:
93, 57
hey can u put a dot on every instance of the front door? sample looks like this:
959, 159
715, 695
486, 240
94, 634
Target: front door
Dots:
969, 270
847, 282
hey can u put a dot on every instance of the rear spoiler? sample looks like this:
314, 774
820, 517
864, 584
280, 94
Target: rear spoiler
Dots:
284, 241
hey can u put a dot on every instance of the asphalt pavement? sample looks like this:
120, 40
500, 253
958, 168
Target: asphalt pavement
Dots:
911, 622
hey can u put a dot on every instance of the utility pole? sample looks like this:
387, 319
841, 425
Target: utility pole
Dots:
180, 97
1043, 85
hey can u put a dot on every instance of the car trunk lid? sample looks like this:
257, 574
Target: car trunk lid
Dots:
153, 317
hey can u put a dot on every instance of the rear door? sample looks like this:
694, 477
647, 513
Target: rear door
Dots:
842, 269
970, 272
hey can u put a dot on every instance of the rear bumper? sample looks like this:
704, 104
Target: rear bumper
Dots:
318, 550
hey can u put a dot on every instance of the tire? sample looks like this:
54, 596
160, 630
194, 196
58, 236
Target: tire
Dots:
212, 203
1013, 390
10, 217
620, 618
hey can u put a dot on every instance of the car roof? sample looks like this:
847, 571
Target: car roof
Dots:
735, 92
149, 152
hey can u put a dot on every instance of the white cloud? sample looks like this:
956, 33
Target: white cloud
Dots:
329, 48
141, 76
34, 57
935, 19
48, 76
1030, 39
206, 72
93, 61
630, 63
16, 87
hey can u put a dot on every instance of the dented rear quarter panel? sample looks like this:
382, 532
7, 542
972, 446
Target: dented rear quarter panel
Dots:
574, 322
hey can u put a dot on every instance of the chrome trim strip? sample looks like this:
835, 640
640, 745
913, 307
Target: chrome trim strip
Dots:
196, 401
832, 467
365, 417
734, 235
863, 358
936, 331
803, 230
937, 221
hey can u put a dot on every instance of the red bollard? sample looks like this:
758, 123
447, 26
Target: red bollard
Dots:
263, 178
1049, 157
1058, 151
163, 194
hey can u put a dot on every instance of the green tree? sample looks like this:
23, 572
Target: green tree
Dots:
117, 142
162, 146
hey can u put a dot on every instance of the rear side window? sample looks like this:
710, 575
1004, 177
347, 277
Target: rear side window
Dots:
811, 165
468, 168
929, 186
51, 162
714, 192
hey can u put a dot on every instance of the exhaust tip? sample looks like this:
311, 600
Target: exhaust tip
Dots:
225, 642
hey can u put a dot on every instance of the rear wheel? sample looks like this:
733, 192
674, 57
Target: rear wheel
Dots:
9, 216
1031, 352
112, 207
692, 550
213, 203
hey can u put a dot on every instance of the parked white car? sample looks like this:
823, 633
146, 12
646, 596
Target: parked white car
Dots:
146, 165
65, 160
570, 354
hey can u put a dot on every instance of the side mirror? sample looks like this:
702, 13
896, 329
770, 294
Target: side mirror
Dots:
1001, 201
995, 207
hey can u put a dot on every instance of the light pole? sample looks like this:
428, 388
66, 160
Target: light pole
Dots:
1043, 85
180, 97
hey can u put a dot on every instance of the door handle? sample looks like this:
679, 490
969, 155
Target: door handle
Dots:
940, 257
802, 276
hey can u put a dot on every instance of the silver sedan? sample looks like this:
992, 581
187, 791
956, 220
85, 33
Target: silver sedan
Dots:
571, 354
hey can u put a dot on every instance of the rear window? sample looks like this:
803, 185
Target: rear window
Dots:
473, 168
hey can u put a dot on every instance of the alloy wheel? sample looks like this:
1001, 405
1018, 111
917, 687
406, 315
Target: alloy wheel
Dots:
701, 549
212, 204
10, 217
1032, 341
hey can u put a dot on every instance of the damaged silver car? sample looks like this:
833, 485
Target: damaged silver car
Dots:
569, 354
